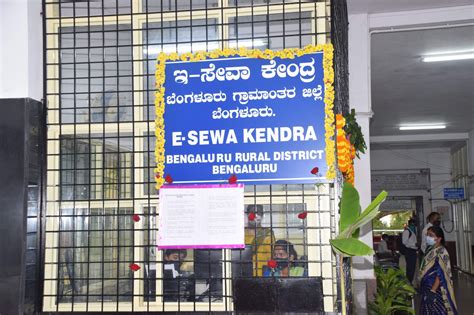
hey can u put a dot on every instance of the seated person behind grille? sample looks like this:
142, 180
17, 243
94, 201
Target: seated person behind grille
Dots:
176, 285
259, 238
383, 245
284, 254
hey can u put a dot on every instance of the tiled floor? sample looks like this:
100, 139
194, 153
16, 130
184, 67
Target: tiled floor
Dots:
464, 290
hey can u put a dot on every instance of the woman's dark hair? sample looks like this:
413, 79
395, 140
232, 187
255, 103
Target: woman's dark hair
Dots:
287, 247
438, 232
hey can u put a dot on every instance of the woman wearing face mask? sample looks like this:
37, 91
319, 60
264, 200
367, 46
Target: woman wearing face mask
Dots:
433, 219
285, 254
436, 286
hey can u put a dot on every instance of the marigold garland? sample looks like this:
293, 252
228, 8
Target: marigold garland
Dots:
289, 53
329, 109
345, 150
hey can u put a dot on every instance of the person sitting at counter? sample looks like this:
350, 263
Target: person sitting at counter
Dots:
284, 254
177, 285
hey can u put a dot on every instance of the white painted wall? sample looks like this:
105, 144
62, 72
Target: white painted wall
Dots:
35, 50
438, 160
21, 55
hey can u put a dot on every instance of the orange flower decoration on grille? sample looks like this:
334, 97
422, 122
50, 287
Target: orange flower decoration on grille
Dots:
303, 215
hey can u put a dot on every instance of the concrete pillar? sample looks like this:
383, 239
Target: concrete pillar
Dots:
359, 96
21, 56
470, 157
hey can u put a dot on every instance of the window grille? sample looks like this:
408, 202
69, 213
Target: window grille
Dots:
100, 66
461, 215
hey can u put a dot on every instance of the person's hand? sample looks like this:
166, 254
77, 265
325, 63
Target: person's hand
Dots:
430, 297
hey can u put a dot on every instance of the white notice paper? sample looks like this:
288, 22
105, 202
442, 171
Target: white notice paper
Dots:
201, 216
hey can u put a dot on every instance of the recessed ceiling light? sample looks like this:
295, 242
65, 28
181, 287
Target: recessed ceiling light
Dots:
449, 56
423, 127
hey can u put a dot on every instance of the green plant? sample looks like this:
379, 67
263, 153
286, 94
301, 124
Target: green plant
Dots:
354, 131
347, 243
394, 293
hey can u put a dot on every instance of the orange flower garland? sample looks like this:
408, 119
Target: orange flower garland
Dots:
345, 150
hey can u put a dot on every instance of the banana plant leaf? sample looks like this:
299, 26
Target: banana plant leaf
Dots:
350, 207
351, 220
365, 217
349, 247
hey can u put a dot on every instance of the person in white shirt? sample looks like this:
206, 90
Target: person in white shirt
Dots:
410, 253
433, 219
383, 246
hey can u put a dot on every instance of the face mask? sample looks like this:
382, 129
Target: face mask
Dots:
282, 263
430, 241
437, 223
177, 265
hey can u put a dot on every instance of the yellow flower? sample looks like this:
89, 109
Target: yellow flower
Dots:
329, 104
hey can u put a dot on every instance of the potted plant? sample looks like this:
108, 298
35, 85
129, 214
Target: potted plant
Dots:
394, 293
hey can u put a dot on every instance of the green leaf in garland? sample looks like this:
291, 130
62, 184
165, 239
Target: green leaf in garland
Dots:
354, 131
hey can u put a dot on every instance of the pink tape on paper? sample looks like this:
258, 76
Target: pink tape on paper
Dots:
192, 186
203, 186
201, 246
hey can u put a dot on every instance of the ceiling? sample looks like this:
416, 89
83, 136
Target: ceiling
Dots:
379, 6
417, 145
406, 90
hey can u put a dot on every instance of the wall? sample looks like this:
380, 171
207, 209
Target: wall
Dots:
21, 57
438, 160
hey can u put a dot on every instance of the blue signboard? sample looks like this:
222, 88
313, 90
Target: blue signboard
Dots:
259, 119
453, 193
